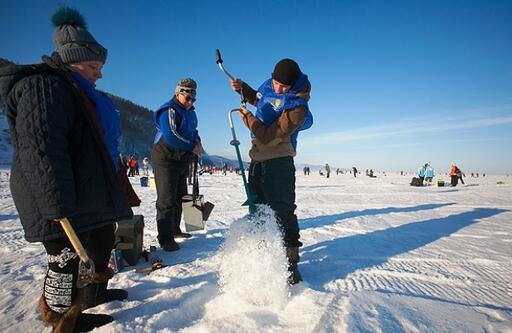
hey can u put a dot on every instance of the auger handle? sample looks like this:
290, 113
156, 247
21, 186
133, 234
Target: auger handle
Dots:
73, 238
219, 61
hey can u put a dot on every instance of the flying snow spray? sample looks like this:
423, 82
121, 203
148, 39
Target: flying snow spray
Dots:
253, 260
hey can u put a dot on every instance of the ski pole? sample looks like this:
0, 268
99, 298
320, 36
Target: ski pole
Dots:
250, 201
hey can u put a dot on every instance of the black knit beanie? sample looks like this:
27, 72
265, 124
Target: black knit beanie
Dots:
286, 72
72, 40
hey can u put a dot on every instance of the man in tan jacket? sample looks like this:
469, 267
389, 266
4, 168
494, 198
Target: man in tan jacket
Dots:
282, 111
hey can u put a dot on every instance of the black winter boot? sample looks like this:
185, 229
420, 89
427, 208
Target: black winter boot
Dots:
182, 235
96, 294
292, 253
88, 321
170, 245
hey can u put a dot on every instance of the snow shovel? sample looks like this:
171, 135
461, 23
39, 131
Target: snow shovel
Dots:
195, 210
86, 271
250, 200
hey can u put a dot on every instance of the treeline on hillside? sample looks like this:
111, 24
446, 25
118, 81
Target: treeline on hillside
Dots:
137, 126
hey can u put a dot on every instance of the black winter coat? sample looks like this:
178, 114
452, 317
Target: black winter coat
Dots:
61, 167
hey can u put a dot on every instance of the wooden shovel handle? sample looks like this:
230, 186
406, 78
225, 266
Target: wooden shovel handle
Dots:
73, 238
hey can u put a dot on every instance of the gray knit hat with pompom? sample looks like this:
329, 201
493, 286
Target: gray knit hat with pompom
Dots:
72, 40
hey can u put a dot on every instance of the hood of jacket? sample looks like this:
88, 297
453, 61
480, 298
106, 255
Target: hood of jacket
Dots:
11, 73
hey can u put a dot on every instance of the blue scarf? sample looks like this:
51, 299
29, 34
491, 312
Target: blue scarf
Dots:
271, 105
107, 113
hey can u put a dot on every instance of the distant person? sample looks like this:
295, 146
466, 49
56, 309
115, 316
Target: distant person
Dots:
65, 164
421, 173
145, 166
224, 168
176, 142
429, 174
132, 164
327, 170
453, 175
282, 111
354, 170
460, 174
136, 165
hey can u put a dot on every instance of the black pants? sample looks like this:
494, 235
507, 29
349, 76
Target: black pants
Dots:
171, 186
273, 182
62, 274
454, 180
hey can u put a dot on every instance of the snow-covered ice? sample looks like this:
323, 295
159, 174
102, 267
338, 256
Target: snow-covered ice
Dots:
378, 256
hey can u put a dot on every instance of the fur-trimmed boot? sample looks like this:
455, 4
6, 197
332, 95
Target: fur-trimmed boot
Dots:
73, 320
292, 253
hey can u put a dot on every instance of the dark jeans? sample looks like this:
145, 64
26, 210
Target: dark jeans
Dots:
171, 186
60, 281
454, 180
273, 182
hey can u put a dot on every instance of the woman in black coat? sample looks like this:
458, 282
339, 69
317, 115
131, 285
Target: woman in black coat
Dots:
64, 165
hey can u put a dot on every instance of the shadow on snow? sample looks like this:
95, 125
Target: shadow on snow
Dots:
332, 219
8, 217
335, 259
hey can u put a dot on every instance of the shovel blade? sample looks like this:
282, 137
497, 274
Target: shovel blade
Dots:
207, 209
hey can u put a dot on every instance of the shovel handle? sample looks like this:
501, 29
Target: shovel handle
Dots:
73, 238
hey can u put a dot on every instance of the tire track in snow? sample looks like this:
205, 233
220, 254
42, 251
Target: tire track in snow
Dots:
333, 320
460, 282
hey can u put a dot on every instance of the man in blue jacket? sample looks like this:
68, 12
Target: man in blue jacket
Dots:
176, 142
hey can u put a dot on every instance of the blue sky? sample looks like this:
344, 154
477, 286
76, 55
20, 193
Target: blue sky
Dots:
395, 84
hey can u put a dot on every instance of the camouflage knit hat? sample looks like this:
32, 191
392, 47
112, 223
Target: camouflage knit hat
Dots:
72, 40
186, 86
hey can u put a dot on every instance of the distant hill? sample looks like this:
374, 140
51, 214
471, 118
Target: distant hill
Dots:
218, 160
137, 128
